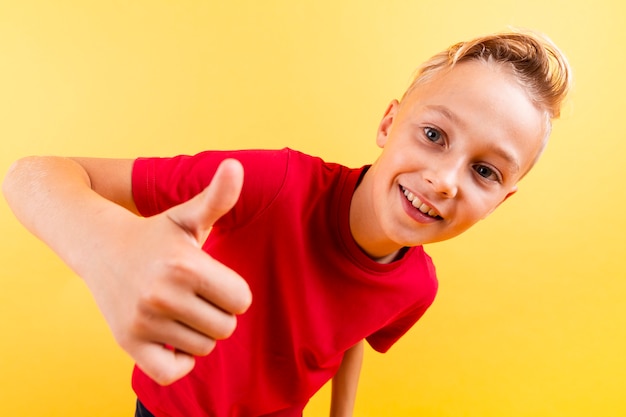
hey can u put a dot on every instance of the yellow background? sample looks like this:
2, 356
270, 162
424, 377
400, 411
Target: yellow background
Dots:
530, 319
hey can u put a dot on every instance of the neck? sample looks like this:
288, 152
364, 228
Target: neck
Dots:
366, 230
387, 259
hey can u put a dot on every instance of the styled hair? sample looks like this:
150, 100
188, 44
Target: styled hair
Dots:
535, 61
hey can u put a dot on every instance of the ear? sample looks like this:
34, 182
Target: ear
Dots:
510, 193
385, 124
513, 191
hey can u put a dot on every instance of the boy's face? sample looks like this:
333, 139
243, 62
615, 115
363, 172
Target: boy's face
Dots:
453, 150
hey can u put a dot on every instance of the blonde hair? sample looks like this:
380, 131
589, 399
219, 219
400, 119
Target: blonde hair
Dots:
535, 61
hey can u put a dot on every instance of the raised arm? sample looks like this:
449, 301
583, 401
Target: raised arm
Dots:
345, 382
149, 276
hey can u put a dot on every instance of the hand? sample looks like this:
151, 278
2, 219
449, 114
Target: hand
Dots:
166, 300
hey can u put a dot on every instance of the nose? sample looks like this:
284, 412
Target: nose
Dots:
444, 179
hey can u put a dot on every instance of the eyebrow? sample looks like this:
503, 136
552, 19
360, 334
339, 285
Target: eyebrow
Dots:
510, 159
501, 152
444, 111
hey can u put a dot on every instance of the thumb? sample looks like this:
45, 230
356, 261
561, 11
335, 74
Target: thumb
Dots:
198, 215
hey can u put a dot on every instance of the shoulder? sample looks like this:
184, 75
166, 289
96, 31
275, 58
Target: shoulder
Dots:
160, 183
283, 180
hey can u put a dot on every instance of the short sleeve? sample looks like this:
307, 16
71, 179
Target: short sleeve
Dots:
161, 183
426, 286
382, 340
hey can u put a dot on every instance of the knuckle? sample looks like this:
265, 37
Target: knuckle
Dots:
144, 320
177, 267
243, 297
164, 376
226, 327
205, 347
124, 340
180, 272
166, 370
141, 325
155, 298
150, 305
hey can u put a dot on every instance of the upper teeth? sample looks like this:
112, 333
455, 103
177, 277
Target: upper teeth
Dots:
417, 203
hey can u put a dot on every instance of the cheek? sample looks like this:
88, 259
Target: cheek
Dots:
490, 207
480, 207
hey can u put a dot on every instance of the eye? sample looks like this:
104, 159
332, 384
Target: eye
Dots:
432, 134
487, 172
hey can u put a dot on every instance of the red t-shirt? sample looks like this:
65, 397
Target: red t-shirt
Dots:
315, 293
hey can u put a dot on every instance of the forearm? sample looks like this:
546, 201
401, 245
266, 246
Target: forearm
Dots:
345, 382
52, 197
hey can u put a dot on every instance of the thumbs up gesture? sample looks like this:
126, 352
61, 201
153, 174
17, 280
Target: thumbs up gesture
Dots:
166, 300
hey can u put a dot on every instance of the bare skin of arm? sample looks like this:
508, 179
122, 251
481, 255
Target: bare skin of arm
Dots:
345, 382
149, 276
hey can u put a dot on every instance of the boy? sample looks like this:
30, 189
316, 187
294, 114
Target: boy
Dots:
330, 255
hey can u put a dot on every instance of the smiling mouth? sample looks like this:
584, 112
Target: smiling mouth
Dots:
418, 204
